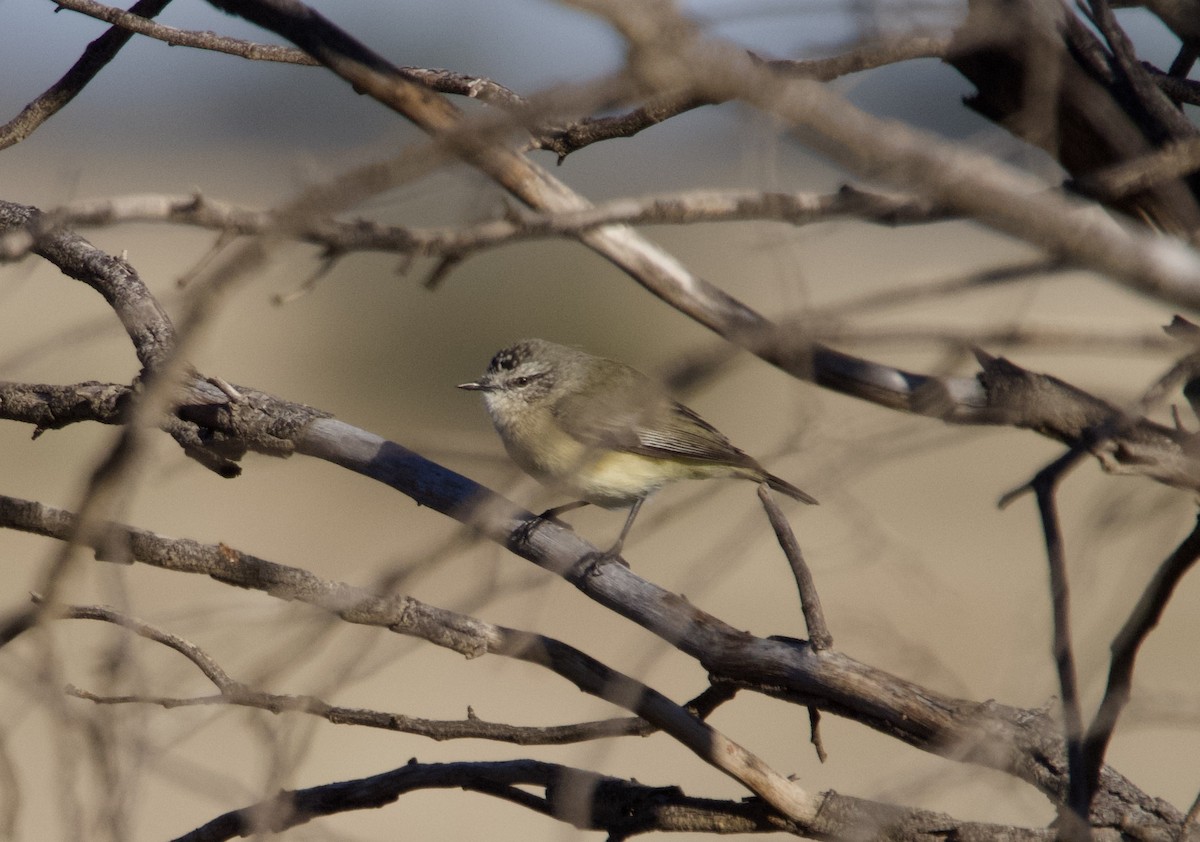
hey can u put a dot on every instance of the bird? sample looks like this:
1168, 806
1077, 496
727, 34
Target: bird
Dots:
603, 431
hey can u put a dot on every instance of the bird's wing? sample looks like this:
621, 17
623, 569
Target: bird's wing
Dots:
602, 421
677, 430
647, 422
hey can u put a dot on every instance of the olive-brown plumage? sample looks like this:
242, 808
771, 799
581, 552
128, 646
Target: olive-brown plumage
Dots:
603, 431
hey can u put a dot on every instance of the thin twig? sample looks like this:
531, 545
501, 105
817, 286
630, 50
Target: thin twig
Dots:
862, 57
444, 81
1078, 795
810, 602
233, 692
135, 22
814, 727
1125, 646
97, 55
340, 238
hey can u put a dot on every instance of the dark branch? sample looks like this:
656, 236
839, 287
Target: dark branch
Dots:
585, 132
94, 59
145, 321
448, 629
810, 602
589, 801
1023, 743
1125, 647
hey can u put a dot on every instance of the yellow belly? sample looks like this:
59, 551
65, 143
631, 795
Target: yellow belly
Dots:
609, 478
616, 479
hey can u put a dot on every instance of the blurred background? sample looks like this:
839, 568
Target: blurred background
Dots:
920, 573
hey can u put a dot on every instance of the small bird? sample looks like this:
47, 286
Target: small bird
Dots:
603, 431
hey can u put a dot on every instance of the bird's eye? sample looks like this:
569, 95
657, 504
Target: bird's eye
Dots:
520, 381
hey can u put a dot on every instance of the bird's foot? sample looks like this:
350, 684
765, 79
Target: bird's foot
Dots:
592, 564
523, 533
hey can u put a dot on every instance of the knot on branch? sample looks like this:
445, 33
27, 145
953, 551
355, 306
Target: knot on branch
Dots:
1040, 402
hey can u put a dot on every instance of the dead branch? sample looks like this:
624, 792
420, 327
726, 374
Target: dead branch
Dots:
1020, 742
135, 22
461, 633
1125, 646
340, 238
98, 54
810, 602
589, 801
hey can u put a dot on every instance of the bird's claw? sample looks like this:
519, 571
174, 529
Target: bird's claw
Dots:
592, 564
522, 534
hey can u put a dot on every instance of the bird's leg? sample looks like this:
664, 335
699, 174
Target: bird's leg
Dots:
521, 533
613, 553
552, 514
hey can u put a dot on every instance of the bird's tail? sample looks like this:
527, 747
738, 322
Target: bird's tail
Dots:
785, 487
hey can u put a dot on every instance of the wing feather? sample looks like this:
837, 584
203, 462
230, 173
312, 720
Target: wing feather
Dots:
642, 419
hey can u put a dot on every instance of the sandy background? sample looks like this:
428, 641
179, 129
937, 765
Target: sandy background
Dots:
921, 575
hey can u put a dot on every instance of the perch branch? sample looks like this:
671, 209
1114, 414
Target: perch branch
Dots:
461, 633
1023, 743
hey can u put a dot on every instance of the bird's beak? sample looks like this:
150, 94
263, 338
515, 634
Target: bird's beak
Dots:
477, 386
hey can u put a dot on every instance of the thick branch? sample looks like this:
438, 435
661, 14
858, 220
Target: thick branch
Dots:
589, 801
1022, 743
144, 320
458, 632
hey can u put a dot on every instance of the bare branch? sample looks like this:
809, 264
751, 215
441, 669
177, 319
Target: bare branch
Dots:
340, 238
458, 632
471, 728
135, 22
234, 692
1166, 117
964, 180
870, 55
1125, 646
866, 56
990, 734
1174, 160
1011, 45
1004, 394
1188, 831
97, 55
810, 602
1078, 795
1057, 409
1186, 91
144, 320
220, 422
53, 407
619, 807
445, 81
